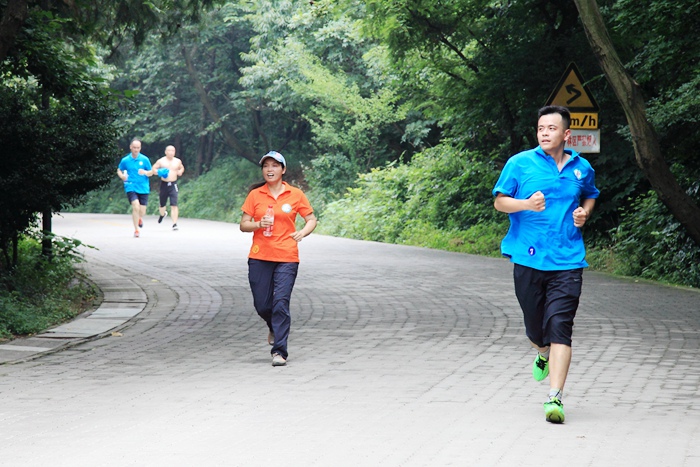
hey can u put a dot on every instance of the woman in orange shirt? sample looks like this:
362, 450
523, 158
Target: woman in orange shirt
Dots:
273, 261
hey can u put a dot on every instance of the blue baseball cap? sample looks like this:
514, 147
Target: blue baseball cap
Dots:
276, 156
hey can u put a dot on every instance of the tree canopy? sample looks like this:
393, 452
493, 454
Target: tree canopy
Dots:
57, 130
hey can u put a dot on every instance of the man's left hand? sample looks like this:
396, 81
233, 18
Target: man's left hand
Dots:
580, 216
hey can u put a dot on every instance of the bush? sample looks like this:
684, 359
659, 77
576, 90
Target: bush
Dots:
482, 239
39, 293
219, 194
442, 199
109, 200
328, 177
651, 243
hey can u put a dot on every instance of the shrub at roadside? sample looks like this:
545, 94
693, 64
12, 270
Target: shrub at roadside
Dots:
109, 200
218, 194
650, 243
38, 293
442, 199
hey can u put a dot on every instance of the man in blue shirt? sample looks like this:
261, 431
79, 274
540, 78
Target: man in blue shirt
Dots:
549, 194
133, 170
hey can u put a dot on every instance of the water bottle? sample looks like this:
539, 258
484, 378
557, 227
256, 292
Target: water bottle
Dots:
270, 215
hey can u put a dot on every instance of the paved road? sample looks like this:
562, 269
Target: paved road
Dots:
399, 356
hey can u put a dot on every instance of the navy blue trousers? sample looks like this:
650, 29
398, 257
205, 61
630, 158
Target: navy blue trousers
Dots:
272, 284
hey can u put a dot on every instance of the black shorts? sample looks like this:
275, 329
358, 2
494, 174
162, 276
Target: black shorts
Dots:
168, 190
142, 197
549, 300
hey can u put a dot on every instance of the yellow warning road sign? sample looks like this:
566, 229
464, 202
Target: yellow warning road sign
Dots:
572, 94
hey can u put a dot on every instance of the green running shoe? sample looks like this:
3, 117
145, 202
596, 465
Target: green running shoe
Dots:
554, 411
540, 368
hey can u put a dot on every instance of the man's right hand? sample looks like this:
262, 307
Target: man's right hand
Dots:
536, 202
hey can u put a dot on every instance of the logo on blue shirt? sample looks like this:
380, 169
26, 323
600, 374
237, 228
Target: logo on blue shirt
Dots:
531, 251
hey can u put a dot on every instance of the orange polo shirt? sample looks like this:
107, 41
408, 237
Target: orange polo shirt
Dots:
280, 247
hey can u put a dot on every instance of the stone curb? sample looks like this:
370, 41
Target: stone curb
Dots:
123, 299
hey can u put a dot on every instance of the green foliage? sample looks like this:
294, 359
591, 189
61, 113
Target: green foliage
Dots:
477, 66
219, 194
481, 239
58, 155
64, 248
442, 199
169, 109
109, 200
344, 117
329, 176
352, 122
40, 293
451, 188
114, 22
57, 125
650, 243
659, 43
313, 62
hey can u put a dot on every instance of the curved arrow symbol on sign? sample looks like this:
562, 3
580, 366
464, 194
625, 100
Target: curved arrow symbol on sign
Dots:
571, 89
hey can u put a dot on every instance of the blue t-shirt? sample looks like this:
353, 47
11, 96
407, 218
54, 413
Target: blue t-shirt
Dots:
546, 240
136, 183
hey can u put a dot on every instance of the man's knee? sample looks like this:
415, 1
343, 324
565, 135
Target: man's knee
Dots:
537, 341
561, 327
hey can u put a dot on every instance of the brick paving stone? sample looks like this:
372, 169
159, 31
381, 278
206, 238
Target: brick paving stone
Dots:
399, 356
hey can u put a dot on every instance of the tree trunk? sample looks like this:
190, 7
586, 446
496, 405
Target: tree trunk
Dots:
46, 227
13, 18
201, 144
209, 150
46, 250
15, 249
646, 144
229, 137
177, 142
